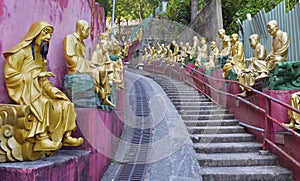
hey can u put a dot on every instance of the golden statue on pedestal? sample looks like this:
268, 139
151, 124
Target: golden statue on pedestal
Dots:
236, 61
52, 116
75, 55
213, 56
280, 45
226, 42
257, 68
293, 116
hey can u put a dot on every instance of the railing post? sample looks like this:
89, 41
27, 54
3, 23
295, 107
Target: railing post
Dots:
266, 133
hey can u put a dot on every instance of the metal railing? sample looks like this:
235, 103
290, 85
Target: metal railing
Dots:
215, 90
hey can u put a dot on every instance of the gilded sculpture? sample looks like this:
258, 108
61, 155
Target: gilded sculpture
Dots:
51, 117
293, 116
236, 61
280, 45
75, 55
257, 68
213, 56
226, 48
203, 51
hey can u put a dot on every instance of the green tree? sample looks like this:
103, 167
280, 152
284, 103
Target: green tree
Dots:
129, 9
238, 9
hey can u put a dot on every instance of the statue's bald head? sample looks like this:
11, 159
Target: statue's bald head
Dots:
221, 33
82, 28
272, 27
254, 40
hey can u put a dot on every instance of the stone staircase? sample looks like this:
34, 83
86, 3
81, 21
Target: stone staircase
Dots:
225, 151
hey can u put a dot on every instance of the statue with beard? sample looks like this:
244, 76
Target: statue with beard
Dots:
52, 115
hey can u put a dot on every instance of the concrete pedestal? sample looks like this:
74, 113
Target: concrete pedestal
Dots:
80, 90
64, 165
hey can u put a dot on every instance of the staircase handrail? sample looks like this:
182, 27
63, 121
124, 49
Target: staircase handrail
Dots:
185, 76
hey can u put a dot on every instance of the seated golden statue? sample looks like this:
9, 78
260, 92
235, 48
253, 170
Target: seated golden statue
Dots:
75, 55
175, 51
52, 114
101, 60
203, 51
280, 45
196, 44
226, 42
236, 60
257, 68
293, 116
213, 56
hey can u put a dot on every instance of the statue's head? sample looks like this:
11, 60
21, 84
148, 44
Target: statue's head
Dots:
254, 40
195, 38
221, 33
213, 45
83, 29
234, 37
38, 36
272, 27
43, 40
203, 40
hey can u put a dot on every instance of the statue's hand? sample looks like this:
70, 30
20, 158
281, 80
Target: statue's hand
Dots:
46, 74
60, 95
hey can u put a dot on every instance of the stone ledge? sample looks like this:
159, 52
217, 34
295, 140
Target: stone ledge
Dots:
68, 165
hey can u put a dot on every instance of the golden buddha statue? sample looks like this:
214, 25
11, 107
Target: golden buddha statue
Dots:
236, 61
213, 56
196, 44
203, 51
257, 65
75, 55
293, 116
280, 45
53, 116
226, 49
175, 51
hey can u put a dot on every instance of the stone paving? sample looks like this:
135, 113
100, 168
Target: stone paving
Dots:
171, 156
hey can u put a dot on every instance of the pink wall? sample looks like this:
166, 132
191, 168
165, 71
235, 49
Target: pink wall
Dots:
16, 16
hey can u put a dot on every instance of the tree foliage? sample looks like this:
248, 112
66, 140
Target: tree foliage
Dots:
238, 9
129, 9
180, 10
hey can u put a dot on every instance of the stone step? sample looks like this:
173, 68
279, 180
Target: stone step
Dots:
195, 99
236, 147
189, 93
251, 173
208, 117
193, 103
180, 107
225, 122
235, 159
186, 97
177, 86
215, 129
222, 138
180, 89
203, 112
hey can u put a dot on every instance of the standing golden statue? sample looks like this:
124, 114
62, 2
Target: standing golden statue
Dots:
52, 114
257, 68
280, 45
75, 55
